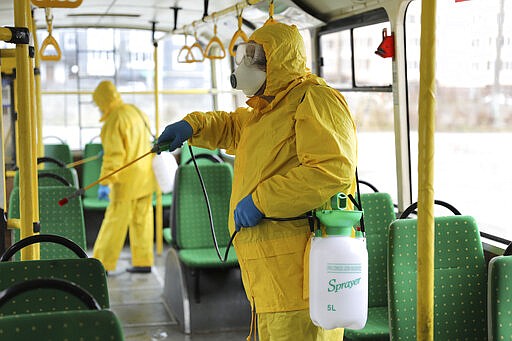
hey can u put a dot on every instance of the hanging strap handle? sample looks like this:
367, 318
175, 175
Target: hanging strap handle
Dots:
215, 41
50, 41
239, 34
184, 55
197, 47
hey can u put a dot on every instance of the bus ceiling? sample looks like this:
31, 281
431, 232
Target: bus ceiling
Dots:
124, 14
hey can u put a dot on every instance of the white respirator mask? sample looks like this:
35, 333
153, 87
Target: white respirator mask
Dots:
249, 76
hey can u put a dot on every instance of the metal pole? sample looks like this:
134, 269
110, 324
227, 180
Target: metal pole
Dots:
426, 131
37, 74
3, 221
33, 125
159, 208
25, 137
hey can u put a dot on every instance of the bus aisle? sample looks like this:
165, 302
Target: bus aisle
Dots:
137, 301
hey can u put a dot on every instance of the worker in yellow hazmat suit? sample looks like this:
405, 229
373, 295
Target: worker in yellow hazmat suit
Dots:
295, 147
125, 136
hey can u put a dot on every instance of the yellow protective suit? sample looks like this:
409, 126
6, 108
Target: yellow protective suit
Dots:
125, 137
292, 153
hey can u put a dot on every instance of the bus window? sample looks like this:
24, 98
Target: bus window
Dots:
369, 96
125, 57
474, 108
370, 69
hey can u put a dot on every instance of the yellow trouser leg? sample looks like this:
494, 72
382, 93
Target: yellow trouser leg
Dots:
142, 231
138, 215
112, 235
292, 326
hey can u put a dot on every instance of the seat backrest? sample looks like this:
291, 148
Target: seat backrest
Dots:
63, 325
91, 170
190, 221
499, 316
379, 212
88, 273
460, 279
59, 151
186, 157
66, 220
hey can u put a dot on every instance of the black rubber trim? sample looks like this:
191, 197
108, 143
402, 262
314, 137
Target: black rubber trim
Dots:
412, 208
211, 157
38, 238
50, 160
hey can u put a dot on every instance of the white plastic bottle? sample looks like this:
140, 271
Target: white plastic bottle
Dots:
338, 275
164, 168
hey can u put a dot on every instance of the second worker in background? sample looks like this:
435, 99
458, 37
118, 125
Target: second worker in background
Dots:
125, 136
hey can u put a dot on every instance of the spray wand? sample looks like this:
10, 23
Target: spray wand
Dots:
87, 159
156, 149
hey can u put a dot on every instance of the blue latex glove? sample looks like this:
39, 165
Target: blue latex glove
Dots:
103, 192
175, 134
246, 213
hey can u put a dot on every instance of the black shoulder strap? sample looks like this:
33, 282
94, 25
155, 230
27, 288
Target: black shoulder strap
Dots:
143, 120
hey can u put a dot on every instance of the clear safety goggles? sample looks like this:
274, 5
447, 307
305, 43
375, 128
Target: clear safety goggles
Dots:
250, 54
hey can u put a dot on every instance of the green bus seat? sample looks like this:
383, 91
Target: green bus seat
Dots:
499, 315
90, 173
460, 279
189, 216
60, 151
66, 220
197, 284
87, 321
88, 273
379, 212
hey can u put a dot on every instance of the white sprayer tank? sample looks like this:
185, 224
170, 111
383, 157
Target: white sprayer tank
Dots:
338, 277
164, 168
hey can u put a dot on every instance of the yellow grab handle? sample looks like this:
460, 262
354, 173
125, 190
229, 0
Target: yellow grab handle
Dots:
184, 54
50, 41
238, 34
213, 41
57, 3
196, 47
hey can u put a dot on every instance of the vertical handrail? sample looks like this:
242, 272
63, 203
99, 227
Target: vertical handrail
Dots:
23, 102
426, 131
33, 125
3, 226
159, 209
37, 74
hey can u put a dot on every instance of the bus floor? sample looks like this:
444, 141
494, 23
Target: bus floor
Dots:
137, 301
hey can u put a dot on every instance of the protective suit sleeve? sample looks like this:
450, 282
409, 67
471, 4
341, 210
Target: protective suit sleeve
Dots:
327, 154
114, 151
217, 129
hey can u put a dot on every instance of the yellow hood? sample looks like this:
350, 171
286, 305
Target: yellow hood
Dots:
106, 98
285, 54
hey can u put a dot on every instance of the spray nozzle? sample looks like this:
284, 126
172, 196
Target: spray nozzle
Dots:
75, 194
162, 147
